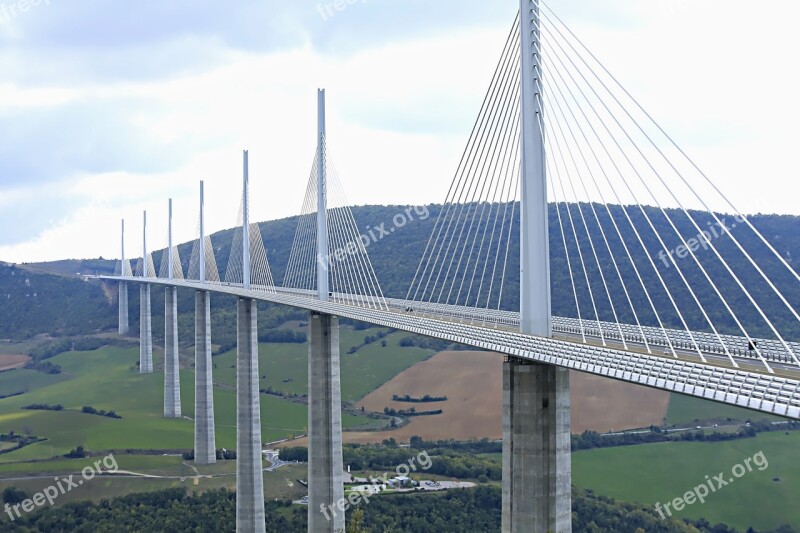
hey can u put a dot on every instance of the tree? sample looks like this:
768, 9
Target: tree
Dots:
12, 495
356, 522
76, 453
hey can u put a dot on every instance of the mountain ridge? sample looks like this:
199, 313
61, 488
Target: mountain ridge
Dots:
395, 259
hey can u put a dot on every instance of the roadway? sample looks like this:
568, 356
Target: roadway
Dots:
751, 388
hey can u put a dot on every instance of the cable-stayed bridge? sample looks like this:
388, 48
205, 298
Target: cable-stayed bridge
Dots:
664, 291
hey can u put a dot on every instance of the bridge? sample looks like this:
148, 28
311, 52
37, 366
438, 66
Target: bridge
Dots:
661, 291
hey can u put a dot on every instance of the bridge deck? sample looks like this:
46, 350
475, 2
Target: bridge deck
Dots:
768, 393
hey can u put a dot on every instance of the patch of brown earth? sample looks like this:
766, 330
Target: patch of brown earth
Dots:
473, 384
11, 361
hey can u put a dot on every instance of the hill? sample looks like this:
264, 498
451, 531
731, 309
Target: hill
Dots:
395, 259
33, 302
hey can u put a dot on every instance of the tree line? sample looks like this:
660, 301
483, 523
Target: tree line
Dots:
475, 510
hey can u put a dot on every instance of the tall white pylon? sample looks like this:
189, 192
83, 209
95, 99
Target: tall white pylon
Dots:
322, 201
249, 472
536, 409
172, 383
124, 323
145, 317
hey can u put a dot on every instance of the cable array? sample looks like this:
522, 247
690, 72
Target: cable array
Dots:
632, 218
260, 272
351, 276
151, 269
177, 267
212, 272
466, 259
123, 268
696, 257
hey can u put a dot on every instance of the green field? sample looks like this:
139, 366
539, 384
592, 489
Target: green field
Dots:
281, 483
143, 464
687, 409
284, 367
24, 380
109, 379
661, 472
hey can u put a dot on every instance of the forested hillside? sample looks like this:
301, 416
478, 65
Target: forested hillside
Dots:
466, 510
32, 303
396, 256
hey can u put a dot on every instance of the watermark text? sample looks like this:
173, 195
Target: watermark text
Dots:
711, 485
61, 486
328, 10
421, 460
10, 11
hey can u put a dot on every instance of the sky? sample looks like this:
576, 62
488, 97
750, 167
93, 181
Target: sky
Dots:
107, 109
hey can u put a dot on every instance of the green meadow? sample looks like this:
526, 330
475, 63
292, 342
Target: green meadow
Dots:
284, 367
651, 473
281, 483
108, 379
688, 409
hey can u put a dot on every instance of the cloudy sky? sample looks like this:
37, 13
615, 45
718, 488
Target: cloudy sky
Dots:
109, 108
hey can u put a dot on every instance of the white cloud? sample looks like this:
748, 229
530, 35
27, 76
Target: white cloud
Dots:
715, 73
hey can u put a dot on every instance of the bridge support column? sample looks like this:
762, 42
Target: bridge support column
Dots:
172, 383
249, 473
145, 331
536, 448
124, 324
205, 451
325, 465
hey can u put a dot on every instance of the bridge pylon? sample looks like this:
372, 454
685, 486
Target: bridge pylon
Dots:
124, 324
145, 316
249, 474
205, 451
325, 464
536, 405
172, 382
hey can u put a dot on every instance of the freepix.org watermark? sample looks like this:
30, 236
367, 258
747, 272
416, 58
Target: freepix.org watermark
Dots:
62, 486
375, 234
422, 459
328, 10
712, 484
11, 10
702, 240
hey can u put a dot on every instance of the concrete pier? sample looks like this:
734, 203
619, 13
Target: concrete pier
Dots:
536, 448
124, 324
249, 472
172, 383
205, 452
145, 331
325, 466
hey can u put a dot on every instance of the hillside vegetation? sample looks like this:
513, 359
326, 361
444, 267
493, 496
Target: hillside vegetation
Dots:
395, 258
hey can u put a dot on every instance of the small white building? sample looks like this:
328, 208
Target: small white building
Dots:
401, 482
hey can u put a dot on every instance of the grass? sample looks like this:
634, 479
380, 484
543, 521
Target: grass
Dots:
284, 367
145, 464
687, 409
23, 380
17, 347
662, 472
373, 365
108, 379
279, 484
